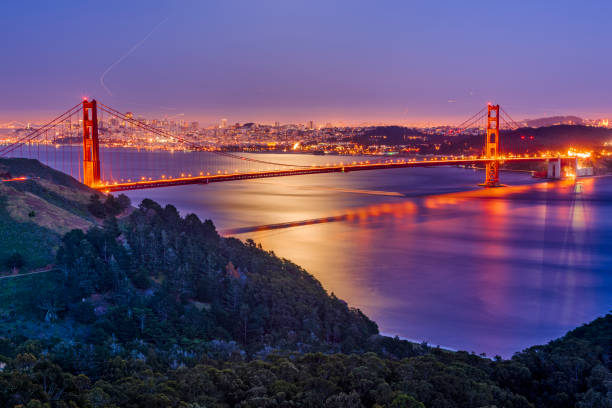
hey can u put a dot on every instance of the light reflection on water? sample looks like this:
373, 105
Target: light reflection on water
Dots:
490, 271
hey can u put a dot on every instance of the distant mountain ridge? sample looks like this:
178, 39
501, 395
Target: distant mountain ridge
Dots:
553, 121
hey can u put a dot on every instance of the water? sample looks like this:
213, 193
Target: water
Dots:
425, 252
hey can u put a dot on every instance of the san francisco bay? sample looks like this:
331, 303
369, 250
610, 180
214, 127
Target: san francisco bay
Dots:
427, 253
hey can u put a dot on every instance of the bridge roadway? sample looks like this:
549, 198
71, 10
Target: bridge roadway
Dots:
215, 178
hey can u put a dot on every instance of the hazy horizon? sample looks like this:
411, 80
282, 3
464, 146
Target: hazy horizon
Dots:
355, 62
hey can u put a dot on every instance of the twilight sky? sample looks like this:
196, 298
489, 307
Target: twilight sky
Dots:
292, 60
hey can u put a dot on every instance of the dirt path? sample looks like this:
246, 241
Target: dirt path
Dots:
35, 272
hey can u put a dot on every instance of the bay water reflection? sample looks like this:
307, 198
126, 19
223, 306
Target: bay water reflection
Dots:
427, 254
424, 252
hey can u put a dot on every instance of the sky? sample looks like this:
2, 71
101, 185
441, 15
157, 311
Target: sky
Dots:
405, 62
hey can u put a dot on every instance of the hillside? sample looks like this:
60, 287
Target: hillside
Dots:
388, 135
553, 121
158, 310
34, 213
558, 138
537, 140
156, 277
37, 211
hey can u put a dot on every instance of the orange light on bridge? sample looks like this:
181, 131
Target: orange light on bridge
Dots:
572, 152
16, 179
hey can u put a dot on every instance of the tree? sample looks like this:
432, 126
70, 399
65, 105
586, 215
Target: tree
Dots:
15, 262
123, 201
405, 401
96, 207
113, 206
343, 400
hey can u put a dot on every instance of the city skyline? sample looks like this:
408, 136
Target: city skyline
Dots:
406, 63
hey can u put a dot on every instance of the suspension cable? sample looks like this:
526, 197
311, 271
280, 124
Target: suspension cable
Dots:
196, 146
47, 126
510, 117
470, 120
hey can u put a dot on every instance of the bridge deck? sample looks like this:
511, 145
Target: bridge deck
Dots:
215, 178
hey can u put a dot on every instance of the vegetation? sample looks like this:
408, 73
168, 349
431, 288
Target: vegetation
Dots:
157, 310
160, 311
526, 140
161, 279
35, 213
570, 372
15, 261
27, 239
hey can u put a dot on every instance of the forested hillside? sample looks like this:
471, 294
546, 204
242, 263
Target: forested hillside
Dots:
571, 372
158, 310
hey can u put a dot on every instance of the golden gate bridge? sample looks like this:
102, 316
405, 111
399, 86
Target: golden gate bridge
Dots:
102, 169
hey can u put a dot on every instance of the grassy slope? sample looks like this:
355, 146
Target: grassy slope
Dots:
58, 201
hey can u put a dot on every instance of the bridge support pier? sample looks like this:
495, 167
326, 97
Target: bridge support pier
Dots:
554, 169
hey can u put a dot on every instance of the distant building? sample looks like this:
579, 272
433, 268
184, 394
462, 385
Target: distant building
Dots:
223, 124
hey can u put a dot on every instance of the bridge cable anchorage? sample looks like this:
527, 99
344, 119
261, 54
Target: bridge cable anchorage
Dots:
40, 131
190, 143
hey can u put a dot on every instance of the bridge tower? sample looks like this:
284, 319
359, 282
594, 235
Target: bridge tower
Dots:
492, 146
91, 150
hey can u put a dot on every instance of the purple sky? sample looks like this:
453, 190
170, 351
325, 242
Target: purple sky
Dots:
354, 61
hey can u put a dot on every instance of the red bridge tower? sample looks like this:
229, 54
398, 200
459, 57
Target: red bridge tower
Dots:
492, 146
91, 150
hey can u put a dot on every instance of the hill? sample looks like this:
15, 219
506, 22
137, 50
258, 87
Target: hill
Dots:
554, 121
38, 208
155, 277
35, 212
557, 138
158, 310
387, 135
537, 140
